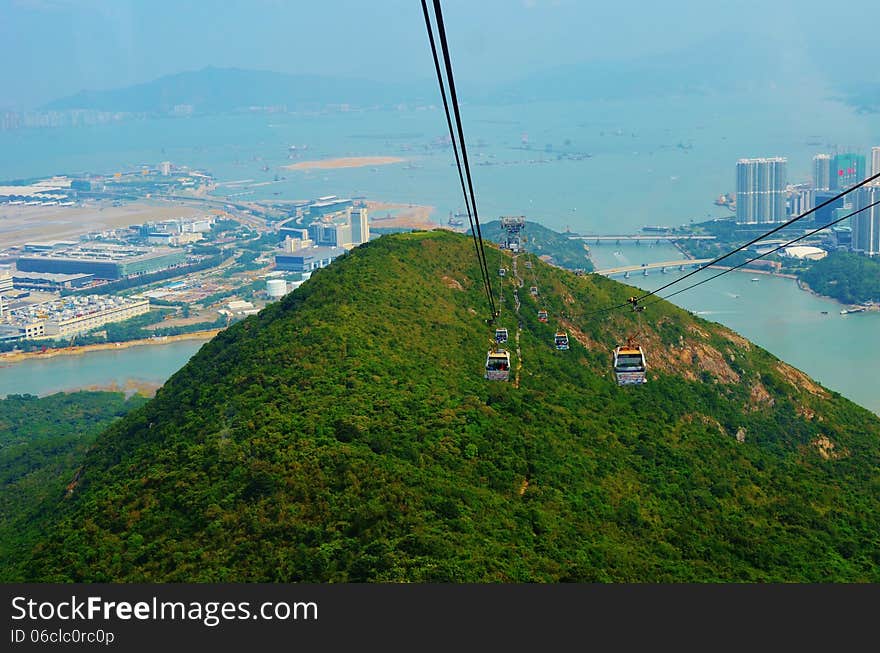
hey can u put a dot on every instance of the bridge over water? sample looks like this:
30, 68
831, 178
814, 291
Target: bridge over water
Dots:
639, 238
625, 270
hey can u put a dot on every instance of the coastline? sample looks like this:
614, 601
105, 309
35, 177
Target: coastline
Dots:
409, 216
806, 288
15, 357
781, 275
800, 284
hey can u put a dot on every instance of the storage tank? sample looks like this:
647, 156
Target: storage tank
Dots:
276, 288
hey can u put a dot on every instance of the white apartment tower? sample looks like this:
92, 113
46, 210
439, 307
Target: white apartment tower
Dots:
822, 172
360, 227
760, 190
866, 225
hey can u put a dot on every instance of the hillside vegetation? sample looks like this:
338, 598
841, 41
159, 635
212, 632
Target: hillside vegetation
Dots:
346, 433
848, 278
43, 441
554, 247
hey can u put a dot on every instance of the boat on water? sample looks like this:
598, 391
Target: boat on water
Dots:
854, 309
755, 279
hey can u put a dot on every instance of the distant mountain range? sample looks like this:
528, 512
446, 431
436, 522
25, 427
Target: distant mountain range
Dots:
719, 64
215, 90
694, 69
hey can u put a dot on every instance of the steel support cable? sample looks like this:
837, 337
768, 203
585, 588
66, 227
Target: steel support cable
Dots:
864, 182
441, 29
477, 244
763, 236
776, 249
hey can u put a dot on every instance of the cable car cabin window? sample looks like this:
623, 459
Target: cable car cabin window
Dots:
497, 366
631, 362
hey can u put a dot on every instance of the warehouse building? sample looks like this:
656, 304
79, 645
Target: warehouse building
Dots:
307, 258
108, 262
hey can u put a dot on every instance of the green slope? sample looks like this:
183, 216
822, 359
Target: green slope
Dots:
346, 434
43, 441
559, 248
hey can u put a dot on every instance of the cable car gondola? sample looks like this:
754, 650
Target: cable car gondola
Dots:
561, 340
501, 335
629, 365
542, 316
502, 272
529, 265
534, 291
498, 365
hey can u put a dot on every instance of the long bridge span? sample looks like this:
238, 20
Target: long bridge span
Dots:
625, 270
640, 238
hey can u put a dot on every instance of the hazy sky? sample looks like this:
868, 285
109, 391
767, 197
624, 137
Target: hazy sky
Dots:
53, 48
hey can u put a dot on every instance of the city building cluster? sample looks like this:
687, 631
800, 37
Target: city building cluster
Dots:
320, 232
764, 196
66, 317
49, 289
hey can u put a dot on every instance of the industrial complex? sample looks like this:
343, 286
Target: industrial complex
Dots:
109, 262
333, 226
63, 318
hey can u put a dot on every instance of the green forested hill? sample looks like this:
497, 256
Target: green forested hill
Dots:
346, 434
556, 248
846, 277
43, 441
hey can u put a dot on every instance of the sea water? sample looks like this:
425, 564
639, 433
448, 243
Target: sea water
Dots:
590, 167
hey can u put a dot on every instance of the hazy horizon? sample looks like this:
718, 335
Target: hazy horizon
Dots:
76, 45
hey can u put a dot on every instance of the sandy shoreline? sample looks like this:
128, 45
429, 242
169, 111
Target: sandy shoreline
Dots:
14, 357
344, 162
409, 216
130, 387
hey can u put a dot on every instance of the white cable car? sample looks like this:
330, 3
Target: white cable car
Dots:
497, 365
629, 365
529, 265
501, 335
502, 272
542, 316
561, 340
534, 291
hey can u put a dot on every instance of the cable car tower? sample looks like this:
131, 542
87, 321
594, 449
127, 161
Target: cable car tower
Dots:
513, 225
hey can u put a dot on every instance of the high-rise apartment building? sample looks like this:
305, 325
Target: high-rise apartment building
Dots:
360, 227
866, 224
822, 172
847, 170
760, 190
825, 214
875, 161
